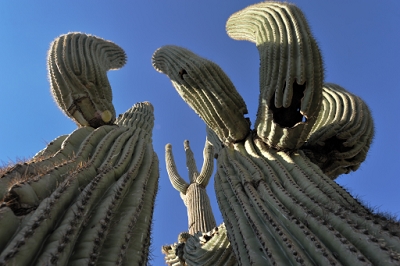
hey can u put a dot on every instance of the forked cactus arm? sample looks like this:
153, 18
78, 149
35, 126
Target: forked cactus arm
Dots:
208, 165
176, 180
77, 66
194, 195
291, 73
190, 162
208, 91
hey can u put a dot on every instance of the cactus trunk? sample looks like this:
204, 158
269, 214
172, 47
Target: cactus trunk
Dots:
94, 206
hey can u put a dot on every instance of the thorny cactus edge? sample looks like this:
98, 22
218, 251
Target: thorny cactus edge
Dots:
274, 188
88, 197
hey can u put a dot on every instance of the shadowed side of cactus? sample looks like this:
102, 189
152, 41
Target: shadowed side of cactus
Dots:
97, 205
77, 66
291, 72
204, 244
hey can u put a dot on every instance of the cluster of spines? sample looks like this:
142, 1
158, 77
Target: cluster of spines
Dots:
105, 168
194, 194
281, 209
202, 248
77, 65
207, 89
291, 73
342, 134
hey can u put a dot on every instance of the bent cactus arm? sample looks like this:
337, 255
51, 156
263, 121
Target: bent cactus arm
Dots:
77, 66
291, 72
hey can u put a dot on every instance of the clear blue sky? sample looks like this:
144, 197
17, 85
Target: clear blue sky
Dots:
360, 42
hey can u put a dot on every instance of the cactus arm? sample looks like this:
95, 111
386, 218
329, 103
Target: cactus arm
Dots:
207, 90
208, 165
77, 66
339, 141
290, 71
176, 180
190, 162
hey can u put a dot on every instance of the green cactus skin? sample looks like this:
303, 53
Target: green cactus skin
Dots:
281, 209
194, 195
77, 66
207, 90
337, 153
98, 211
275, 189
210, 248
291, 72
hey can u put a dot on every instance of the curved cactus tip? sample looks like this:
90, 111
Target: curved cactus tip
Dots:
186, 144
149, 105
77, 67
168, 147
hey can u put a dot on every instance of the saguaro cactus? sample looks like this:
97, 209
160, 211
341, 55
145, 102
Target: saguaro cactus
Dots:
88, 197
194, 194
204, 243
275, 188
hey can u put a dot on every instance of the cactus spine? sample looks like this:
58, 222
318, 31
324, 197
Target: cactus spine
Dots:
275, 188
88, 197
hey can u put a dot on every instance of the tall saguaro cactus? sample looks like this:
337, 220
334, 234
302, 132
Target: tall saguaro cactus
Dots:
88, 197
274, 184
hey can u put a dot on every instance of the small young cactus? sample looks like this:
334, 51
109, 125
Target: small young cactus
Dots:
77, 65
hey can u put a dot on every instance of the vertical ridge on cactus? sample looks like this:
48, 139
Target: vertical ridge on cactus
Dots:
77, 66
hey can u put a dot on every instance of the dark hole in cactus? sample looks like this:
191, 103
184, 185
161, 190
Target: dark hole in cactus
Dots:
182, 72
290, 116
